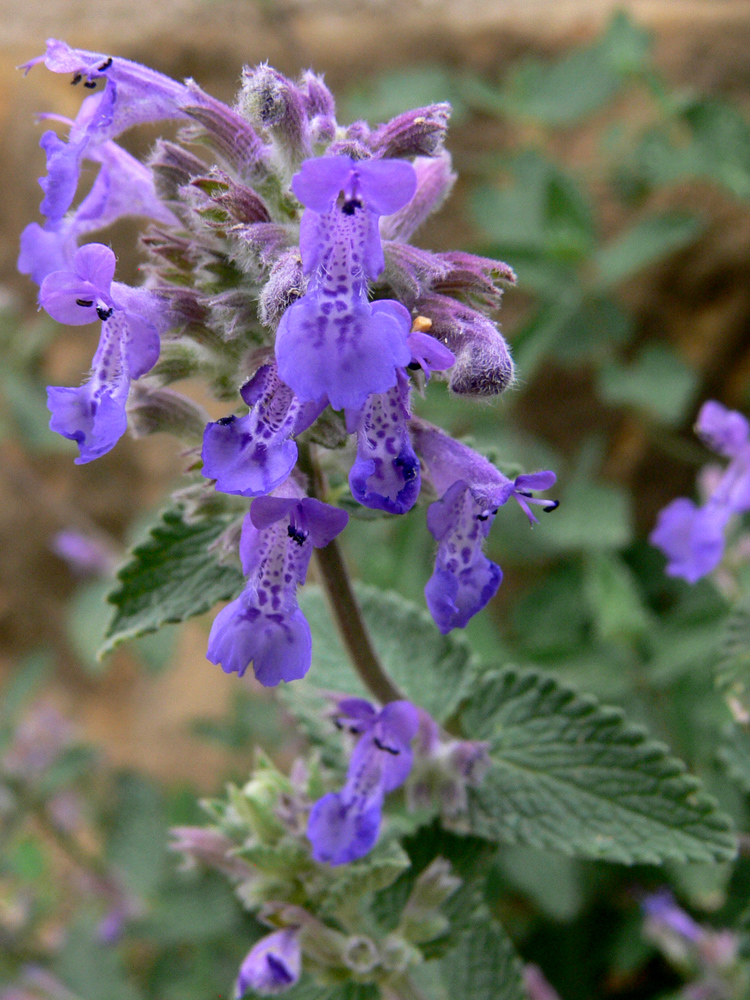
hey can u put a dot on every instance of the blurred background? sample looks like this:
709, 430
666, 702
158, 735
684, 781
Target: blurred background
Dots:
603, 150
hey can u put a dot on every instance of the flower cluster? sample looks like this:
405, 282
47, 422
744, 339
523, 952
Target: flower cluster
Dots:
282, 273
691, 537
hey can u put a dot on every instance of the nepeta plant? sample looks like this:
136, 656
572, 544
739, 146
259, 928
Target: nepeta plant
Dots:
279, 271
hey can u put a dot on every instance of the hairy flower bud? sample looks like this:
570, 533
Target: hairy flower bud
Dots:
173, 167
273, 102
286, 283
209, 847
272, 966
483, 363
419, 132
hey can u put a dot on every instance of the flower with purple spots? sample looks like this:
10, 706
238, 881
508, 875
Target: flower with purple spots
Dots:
471, 490
691, 537
264, 626
254, 454
93, 415
271, 966
344, 826
332, 343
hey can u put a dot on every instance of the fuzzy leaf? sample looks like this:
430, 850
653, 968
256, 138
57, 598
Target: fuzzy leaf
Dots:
734, 753
431, 670
733, 668
307, 989
646, 243
571, 775
172, 576
484, 966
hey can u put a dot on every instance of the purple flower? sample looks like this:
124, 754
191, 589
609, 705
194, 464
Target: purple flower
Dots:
471, 490
344, 826
264, 626
93, 414
692, 537
661, 909
332, 343
272, 965
132, 95
252, 455
385, 474
84, 555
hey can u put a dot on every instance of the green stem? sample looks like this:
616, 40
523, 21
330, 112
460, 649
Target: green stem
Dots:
343, 602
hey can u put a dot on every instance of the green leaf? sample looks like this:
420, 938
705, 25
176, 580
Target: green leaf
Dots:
612, 594
552, 881
571, 775
432, 670
172, 576
484, 966
658, 383
734, 753
733, 667
646, 243
564, 92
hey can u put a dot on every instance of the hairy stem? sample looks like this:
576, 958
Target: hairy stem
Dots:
344, 605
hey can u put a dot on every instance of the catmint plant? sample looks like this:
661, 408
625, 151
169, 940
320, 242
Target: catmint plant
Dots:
279, 271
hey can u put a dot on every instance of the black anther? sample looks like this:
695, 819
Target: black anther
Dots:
77, 78
104, 313
90, 84
85, 303
384, 746
105, 65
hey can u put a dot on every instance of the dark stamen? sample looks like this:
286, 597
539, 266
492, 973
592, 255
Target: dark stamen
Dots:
482, 517
384, 746
77, 78
351, 206
85, 303
300, 537
225, 421
103, 313
414, 366
553, 505
90, 84
105, 65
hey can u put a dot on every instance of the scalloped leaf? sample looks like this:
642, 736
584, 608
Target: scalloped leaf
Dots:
171, 576
376, 871
571, 775
733, 667
484, 965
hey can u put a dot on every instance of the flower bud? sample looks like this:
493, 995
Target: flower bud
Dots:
151, 410
257, 801
483, 363
231, 134
272, 965
286, 283
419, 132
173, 167
209, 847
276, 104
238, 200
421, 919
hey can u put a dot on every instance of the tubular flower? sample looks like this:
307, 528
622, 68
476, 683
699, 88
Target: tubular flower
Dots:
344, 825
691, 537
471, 490
264, 626
332, 343
93, 415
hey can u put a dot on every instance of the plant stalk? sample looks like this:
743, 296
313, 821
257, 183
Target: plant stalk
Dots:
343, 602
